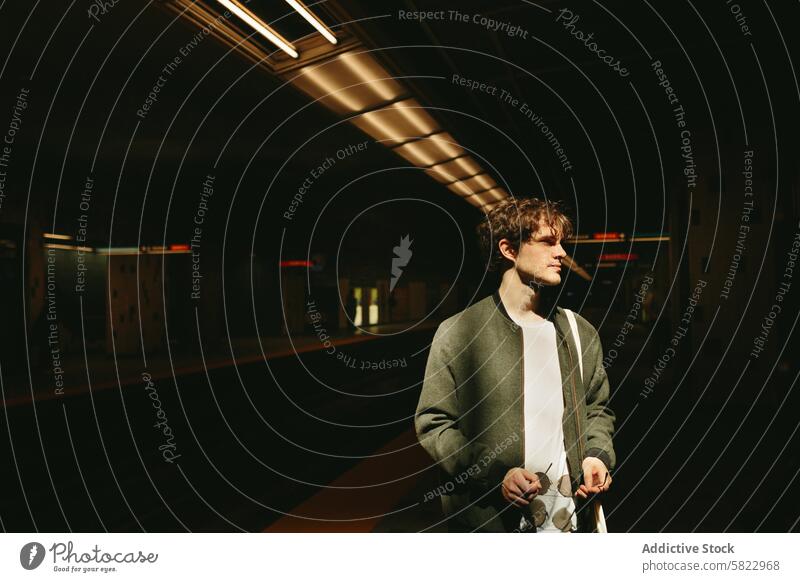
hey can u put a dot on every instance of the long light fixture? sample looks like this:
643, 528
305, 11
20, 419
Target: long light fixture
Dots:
458, 169
430, 150
634, 238
397, 123
348, 83
260, 26
349, 80
488, 197
312, 19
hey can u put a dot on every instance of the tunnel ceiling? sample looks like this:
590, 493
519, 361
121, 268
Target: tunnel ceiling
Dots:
216, 94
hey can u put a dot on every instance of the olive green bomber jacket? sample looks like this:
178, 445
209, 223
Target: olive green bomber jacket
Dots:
470, 412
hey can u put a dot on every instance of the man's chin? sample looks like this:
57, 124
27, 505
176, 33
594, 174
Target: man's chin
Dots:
550, 280
550, 277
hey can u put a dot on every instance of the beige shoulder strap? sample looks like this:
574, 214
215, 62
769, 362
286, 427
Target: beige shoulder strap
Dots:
573, 325
599, 516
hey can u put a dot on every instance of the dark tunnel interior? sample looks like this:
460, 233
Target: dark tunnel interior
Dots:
223, 266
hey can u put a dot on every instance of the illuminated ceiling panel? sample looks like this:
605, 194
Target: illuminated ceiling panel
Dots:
348, 83
489, 197
472, 185
397, 123
430, 150
337, 71
460, 189
454, 170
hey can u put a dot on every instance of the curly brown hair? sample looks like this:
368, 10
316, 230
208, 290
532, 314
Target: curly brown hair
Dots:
518, 219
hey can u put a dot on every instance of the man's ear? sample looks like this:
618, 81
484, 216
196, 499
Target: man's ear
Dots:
507, 249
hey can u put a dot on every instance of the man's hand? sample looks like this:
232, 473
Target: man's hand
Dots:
596, 477
520, 485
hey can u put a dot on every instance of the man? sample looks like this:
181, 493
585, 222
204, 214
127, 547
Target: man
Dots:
523, 438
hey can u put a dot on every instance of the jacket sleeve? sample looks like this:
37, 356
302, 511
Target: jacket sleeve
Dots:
469, 463
600, 418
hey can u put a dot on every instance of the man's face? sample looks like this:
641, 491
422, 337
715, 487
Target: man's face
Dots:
539, 259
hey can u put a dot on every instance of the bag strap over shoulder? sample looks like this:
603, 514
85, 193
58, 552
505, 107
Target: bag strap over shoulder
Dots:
573, 325
599, 516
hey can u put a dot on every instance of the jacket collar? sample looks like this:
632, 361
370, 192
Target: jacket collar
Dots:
553, 314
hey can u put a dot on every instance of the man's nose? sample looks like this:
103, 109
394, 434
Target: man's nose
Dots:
560, 252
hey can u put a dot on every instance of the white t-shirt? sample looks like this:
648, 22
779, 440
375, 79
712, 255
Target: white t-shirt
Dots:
553, 509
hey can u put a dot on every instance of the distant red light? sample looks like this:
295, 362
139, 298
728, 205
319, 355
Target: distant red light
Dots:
618, 257
179, 247
296, 263
608, 236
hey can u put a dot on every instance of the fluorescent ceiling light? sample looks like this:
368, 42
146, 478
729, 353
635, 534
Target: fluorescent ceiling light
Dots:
364, 67
322, 85
454, 170
64, 247
260, 26
460, 188
430, 150
397, 123
119, 251
493, 195
489, 197
618, 240
348, 83
313, 20
480, 182
474, 185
